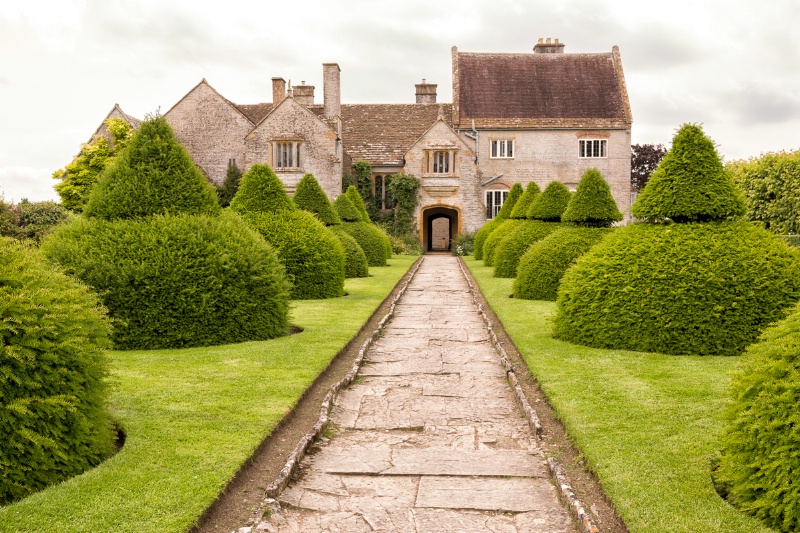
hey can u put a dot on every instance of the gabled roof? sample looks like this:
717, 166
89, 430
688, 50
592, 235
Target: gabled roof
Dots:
382, 133
540, 90
203, 82
116, 112
255, 113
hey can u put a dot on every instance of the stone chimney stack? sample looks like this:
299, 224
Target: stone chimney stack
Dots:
331, 90
304, 94
278, 91
547, 47
426, 92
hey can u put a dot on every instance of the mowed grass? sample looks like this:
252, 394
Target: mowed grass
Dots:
194, 416
647, 424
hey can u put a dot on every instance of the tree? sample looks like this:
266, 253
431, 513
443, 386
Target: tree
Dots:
644, 160
227, 190
78, 178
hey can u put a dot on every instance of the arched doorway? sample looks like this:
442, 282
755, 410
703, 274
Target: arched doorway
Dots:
439, 226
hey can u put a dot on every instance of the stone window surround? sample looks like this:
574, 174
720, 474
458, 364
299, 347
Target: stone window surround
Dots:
592, 148
491, 197
502, 148
439, 162
287, 159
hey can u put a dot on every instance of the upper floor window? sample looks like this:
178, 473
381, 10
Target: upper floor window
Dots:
440, 162
593, 147
502, 149
494, 201
287, 154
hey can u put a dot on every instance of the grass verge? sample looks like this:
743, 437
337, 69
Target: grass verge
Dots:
647, 424
194, 416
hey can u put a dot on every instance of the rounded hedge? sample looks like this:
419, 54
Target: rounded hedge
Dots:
550, 205
505, 211
310, 197
52, 363
520, 211
505, 228
312, 254
370, 239
760, 462
592, 203
542, 266
178, 281
517, 242
697, 289
355, 261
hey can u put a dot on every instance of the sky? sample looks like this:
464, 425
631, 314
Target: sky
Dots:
732, 66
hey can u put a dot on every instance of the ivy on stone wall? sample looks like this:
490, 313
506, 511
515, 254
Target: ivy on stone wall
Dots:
404, 188
363, 174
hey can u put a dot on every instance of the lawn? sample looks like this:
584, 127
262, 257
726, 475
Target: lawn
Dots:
647, 424
193, 417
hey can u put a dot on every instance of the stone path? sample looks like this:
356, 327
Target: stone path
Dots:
429, 437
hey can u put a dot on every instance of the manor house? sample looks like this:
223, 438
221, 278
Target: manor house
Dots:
514, 117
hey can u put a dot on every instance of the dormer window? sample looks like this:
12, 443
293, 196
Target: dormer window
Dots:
502, 149
287, 154
439, 162
593, 148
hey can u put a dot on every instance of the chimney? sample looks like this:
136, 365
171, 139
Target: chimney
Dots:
331, 90
278, 91
426, 92
547, 47
304, 94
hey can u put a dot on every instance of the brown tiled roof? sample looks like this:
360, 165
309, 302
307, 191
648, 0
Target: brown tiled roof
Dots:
382, 133
255, 113
541, 89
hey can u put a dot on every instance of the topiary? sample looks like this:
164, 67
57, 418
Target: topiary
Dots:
370, 239
226, 191
152, 175
310, 197
592, 203
690, 183
493, 240
516, 243
542, 266
520, 211
178, 281
355, 261
508, 206
551, 204
760, 461
699, 289
53, 358
345, 209
261, 191
358, 203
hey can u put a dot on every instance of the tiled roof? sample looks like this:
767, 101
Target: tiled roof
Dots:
541, 89
255, 113
382, 133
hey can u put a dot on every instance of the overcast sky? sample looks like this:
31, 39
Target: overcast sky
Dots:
733, 65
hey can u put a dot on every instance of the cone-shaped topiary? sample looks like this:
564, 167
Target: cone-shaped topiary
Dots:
550, 205
690, 183
358, 202
261, 191
370, 239
345, 209
509, 251
508, 206
310, 197
520, 210
541, 268
152, 175
592, 204
355, 261
53, 358
760, 461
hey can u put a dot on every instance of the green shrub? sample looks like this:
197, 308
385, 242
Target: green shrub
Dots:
520, 210
542, 266
690, 183
52, 363
345, 209
310, 197
358, 202
362, 174
152, 175
550, 205
177, 281
592, 203
30, 221
791, 240
760, 463
314, 258
699, 289
505, 211
404, 189
230, 185
463, 243
517, 242
505, 228
261, 191
355, 261
370, 239
406, 244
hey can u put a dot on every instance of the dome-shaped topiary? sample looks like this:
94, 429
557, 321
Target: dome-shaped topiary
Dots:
53, 358
592, 203
310, 197
690, 183
370, 239
152, 175
178, 281
355, 261
550, 205
261, 191
516, 243
697, 289
345, 209
760, 461
541, 268
497, 235
520, 210
505, 211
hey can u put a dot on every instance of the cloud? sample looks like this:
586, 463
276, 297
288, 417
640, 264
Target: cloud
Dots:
761, 105
35, 184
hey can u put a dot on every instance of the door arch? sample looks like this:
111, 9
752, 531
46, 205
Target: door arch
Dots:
439, 226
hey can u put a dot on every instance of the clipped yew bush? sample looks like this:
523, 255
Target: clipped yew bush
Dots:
368, 237
760, 462
592, 204
53, 424
520, 211
493, 240
551, 204
516, 243
355, 260
358, 202
505, 211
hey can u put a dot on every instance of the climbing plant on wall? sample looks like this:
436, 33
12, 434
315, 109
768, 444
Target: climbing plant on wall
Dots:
404, 188
363, 174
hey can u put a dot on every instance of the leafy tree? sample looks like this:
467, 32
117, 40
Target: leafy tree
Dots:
592, 203
644, 160
363, 177
78, 178
230, 185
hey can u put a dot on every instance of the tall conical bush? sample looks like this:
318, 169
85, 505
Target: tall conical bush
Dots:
520, 211
505, 211
310, 197
368, 237
592, 204
355, 197
551, 204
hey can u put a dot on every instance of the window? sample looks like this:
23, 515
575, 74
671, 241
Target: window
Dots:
502, 149
287, 154
494, 201
383, 192
439, 162
592, 147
